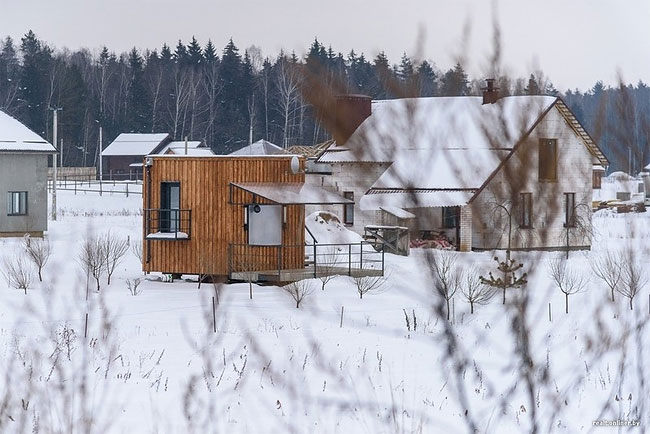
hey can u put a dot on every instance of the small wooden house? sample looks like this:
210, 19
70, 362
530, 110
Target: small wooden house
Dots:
235, 216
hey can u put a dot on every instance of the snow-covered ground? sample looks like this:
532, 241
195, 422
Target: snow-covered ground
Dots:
152, 363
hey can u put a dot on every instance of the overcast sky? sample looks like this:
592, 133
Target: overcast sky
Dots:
575, 42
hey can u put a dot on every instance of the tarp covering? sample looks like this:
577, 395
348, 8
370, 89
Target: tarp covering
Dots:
414, 199
292, 193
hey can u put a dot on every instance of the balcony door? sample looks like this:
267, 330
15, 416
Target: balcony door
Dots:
170, 204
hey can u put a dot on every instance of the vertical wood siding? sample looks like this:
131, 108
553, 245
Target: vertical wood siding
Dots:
216, 223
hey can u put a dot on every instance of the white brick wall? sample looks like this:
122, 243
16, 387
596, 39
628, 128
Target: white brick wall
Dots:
520, 175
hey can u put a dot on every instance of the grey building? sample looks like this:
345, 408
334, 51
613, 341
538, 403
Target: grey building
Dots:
23, 179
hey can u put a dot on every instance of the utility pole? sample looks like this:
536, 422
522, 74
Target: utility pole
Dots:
55, 121
101, 150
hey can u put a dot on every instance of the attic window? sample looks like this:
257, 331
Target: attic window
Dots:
597, 179
548, 159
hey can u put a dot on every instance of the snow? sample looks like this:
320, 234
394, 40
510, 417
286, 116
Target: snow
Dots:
292, 193
15, 136
328, 229
261, 147
400, 213
270, 367
167, 236
134, 144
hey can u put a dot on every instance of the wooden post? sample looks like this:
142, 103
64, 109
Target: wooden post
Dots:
314, 259
349, 259
86, 327
550, 318
127, 189
100, 187
341, 325
214, 317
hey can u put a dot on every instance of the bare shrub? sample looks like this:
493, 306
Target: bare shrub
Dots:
132, 285
608, 267
474, 291
18, 272
566, 279
368, 284
447, 277
92, 258
114, 249
634, 278
136, 249
325, 268
299, 290
38, 251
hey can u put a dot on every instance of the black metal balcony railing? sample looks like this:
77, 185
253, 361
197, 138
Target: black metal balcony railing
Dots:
295, 262
168, 224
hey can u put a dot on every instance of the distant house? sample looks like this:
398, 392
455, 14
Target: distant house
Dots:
446, 162
23, 178
259, 148
124, 155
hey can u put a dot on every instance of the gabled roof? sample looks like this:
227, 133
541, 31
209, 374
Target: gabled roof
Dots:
16, 137
135, 144
181, 145
261, 147
194, 152
314, 151
445, 144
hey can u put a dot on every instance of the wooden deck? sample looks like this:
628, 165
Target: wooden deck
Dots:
309, 272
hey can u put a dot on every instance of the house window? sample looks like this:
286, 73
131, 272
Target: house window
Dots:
348, 208
17, 203
569, 210
548, 160
265, 224
450, 217
170, 205
597, 180
526, 201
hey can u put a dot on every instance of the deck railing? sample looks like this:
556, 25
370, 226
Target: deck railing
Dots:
168, 224
249, 262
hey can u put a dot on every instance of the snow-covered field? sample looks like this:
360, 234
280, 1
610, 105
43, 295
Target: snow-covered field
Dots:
152, 363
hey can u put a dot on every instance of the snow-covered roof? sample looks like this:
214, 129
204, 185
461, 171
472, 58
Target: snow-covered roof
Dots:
291, 193
196, 152
180, 144
434, 123
261, 147
16, 137
375, 200
440, 142
400, 213
134, 144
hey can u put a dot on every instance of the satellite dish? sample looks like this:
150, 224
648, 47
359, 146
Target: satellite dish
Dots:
295, 165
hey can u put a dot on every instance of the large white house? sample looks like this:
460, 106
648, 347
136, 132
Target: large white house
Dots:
487, 171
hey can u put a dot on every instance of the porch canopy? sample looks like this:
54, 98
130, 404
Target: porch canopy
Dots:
292, 193
375, 200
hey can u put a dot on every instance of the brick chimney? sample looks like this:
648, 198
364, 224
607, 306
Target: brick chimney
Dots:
351, 111
490, 92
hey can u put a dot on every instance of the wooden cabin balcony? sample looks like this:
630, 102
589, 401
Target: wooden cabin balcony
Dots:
168, 224
278, 263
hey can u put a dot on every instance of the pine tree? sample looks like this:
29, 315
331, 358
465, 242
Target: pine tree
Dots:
194, 53
382, 76
426, 78
139, 108
455, 82
34, 77
166, 55
210, 53
231, 125
533, 86
180, 54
